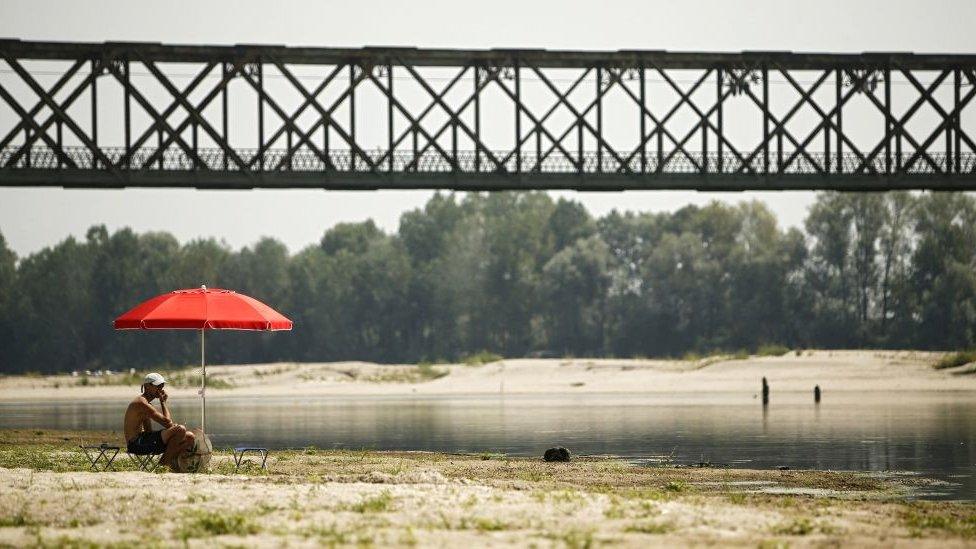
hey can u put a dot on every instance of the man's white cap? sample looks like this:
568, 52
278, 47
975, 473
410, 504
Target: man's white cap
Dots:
154, 379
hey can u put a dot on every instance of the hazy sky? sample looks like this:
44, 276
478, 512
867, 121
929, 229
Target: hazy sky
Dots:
33, 218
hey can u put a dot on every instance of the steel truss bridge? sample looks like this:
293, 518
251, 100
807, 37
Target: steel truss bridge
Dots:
150, 115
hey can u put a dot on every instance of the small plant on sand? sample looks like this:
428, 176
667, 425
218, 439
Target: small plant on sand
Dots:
953, 360
483, 524
330, 535
772, 350
19, 518
737, 498
203, 524
795, 527
483, 357
676, 486
656, 528
183, 379
576, 539
376, 504
427, 371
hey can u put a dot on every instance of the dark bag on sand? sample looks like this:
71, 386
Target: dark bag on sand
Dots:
556, 454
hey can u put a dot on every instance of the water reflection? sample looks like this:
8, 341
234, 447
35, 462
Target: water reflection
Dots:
925, 433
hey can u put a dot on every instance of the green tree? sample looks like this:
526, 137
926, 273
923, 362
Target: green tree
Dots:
576, 281
8, 318
944, 277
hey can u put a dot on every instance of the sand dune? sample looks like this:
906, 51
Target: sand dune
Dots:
834, 371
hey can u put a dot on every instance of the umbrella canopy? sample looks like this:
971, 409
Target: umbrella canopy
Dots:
202, 309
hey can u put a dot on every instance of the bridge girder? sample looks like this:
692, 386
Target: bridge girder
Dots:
869, 121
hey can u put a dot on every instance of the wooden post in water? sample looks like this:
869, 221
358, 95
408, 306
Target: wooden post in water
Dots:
765, 391
816, 394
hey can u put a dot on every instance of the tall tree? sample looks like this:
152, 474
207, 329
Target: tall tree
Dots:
575, 284
8, 320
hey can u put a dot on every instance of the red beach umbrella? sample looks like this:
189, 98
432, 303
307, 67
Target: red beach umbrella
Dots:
202, 309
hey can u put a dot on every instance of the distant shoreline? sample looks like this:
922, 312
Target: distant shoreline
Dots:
838, 372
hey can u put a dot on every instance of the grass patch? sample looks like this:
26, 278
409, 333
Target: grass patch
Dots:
483, 357
575, 538
330, 535
426, 371
656, 528
174, 378
922, 518
376, 504
67, 542
18, 519
186, 379
483, 524
738, 498
202, 524
677, 486
953, 360
795, 527
772, 350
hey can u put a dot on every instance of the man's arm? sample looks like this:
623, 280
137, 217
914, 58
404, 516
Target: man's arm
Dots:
159, 418
162, 404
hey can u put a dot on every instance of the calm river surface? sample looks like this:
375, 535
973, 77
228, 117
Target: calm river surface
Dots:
933, 434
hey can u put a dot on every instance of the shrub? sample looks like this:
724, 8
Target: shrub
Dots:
483, 357
796, 527
955, 359
427, 371
772, 350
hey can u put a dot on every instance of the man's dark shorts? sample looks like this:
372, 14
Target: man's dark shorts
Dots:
146, 443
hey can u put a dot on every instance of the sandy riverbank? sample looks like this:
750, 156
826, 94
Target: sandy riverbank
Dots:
835, 371
315, 498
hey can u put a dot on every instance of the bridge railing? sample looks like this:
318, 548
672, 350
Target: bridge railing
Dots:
474, 162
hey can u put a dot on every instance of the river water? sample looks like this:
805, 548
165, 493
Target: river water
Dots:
932, 434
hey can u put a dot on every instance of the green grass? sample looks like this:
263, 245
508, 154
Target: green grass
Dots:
795, 527
953, 360
576, 539
67, 542
426, 371
482, 357
715, 356
174, 378
656, 528
772, 350
483, 524
922, 518
18, 519
677, 486
185, 379
376, 504
202, 524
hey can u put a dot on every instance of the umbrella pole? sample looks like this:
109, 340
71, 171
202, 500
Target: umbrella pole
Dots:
203, 387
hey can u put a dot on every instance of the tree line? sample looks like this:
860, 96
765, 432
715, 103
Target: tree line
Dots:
517, 273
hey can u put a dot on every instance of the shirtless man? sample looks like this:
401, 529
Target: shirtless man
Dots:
140, 414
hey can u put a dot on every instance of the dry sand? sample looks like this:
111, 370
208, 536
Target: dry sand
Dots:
854, 372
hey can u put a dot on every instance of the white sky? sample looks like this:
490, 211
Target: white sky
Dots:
31, 219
